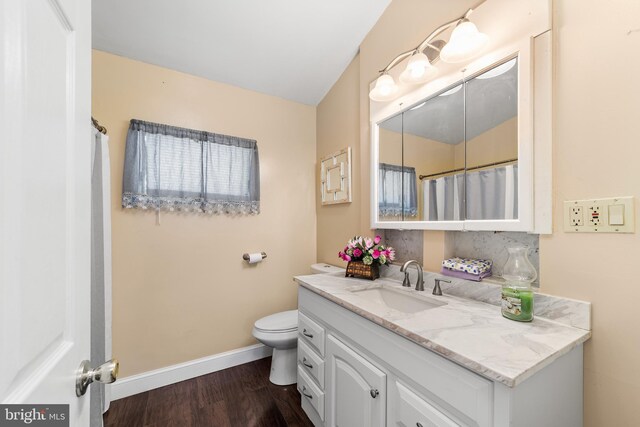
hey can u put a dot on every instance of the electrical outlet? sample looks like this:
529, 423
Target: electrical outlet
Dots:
576, 216
614, 215
595, 213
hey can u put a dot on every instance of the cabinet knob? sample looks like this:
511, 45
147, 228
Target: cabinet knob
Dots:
419, 424
374, 393
306, 334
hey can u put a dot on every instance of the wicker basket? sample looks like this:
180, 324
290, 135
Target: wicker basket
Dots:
363, 271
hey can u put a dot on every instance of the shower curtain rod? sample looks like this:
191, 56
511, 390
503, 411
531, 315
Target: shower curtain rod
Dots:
470, 169
98, 126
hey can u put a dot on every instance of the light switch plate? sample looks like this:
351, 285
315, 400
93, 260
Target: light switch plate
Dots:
614, 215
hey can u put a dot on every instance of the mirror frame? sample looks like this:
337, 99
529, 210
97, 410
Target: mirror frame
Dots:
523, 50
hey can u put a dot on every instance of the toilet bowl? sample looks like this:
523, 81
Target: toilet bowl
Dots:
280, 332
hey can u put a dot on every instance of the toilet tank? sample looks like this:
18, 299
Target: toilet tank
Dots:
322, 268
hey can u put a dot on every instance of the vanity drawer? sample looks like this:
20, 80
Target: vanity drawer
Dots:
412, 410
311, 363
311, 393
311, 332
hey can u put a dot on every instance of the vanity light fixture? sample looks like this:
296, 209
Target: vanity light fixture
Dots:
465, 42
419, 69
385, 89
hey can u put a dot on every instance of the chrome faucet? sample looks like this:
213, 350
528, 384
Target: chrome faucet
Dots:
420, 282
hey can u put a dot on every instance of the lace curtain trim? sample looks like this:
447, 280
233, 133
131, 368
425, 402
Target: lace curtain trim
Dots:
390, 211
189, 204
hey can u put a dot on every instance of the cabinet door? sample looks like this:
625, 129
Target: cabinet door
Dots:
355, 389
411, 410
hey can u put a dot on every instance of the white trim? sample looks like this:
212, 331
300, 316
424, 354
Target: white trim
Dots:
150, 380
543, 133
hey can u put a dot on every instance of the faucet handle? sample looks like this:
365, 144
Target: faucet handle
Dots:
406, 282
436, 287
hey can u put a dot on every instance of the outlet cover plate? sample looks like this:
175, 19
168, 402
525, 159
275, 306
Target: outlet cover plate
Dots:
592, 215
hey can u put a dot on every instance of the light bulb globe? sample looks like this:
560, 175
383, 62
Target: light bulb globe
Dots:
418, 70
385, 89
465, 43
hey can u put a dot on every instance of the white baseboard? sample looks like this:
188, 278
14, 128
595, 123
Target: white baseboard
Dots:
183, 371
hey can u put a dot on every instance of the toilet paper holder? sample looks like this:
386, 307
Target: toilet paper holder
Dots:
246, 256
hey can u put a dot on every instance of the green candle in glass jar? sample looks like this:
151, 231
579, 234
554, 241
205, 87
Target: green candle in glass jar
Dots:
517, 297
517, 303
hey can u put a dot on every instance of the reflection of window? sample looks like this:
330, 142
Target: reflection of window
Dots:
397, 191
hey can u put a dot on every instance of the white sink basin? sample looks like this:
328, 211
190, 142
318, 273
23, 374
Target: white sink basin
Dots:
398, 300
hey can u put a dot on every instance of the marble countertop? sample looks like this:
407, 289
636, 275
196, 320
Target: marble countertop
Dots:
466, 331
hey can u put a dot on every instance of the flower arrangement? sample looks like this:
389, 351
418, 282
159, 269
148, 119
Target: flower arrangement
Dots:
369, 251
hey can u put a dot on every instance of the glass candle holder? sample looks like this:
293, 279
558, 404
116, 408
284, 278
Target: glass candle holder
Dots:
517, 296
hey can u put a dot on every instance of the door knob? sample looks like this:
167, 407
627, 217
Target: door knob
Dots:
105, 373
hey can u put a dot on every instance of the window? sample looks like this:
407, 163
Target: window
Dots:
172, 168
397, 191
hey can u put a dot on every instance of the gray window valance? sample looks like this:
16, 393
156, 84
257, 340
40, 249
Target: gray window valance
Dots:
173, 168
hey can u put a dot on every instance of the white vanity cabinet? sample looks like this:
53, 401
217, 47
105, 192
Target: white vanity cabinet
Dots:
356, 392
410, 409
375, 377
311, 368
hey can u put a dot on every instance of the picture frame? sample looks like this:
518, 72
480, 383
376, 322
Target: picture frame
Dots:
335, 177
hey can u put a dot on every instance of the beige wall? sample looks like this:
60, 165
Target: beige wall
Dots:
338, 127
498, 144
596, 151
596, 146
180, 289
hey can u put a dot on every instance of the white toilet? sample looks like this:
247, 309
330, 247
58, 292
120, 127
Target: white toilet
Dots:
280, 332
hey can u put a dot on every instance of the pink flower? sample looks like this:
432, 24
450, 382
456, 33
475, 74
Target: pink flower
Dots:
377, 239
347, 258
368, 243
391, 253
341, 255
357, 253
375, 254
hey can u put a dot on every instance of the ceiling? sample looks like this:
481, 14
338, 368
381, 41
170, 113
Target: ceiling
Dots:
293, 49
442, 118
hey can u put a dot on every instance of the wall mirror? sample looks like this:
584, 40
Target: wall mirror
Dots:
453, 160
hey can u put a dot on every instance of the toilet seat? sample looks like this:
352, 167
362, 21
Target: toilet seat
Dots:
286, 321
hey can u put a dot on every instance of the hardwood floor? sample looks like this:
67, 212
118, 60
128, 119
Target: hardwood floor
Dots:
239, 396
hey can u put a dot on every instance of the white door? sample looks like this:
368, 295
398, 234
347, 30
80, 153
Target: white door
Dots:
45, 148
356, 390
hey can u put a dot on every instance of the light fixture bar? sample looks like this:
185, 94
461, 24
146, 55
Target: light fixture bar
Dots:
426, 42
420, 69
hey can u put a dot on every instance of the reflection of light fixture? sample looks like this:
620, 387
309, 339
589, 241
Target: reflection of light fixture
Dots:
417, 106
451, 91
465, 42
419, 69
385, 89
500, 69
